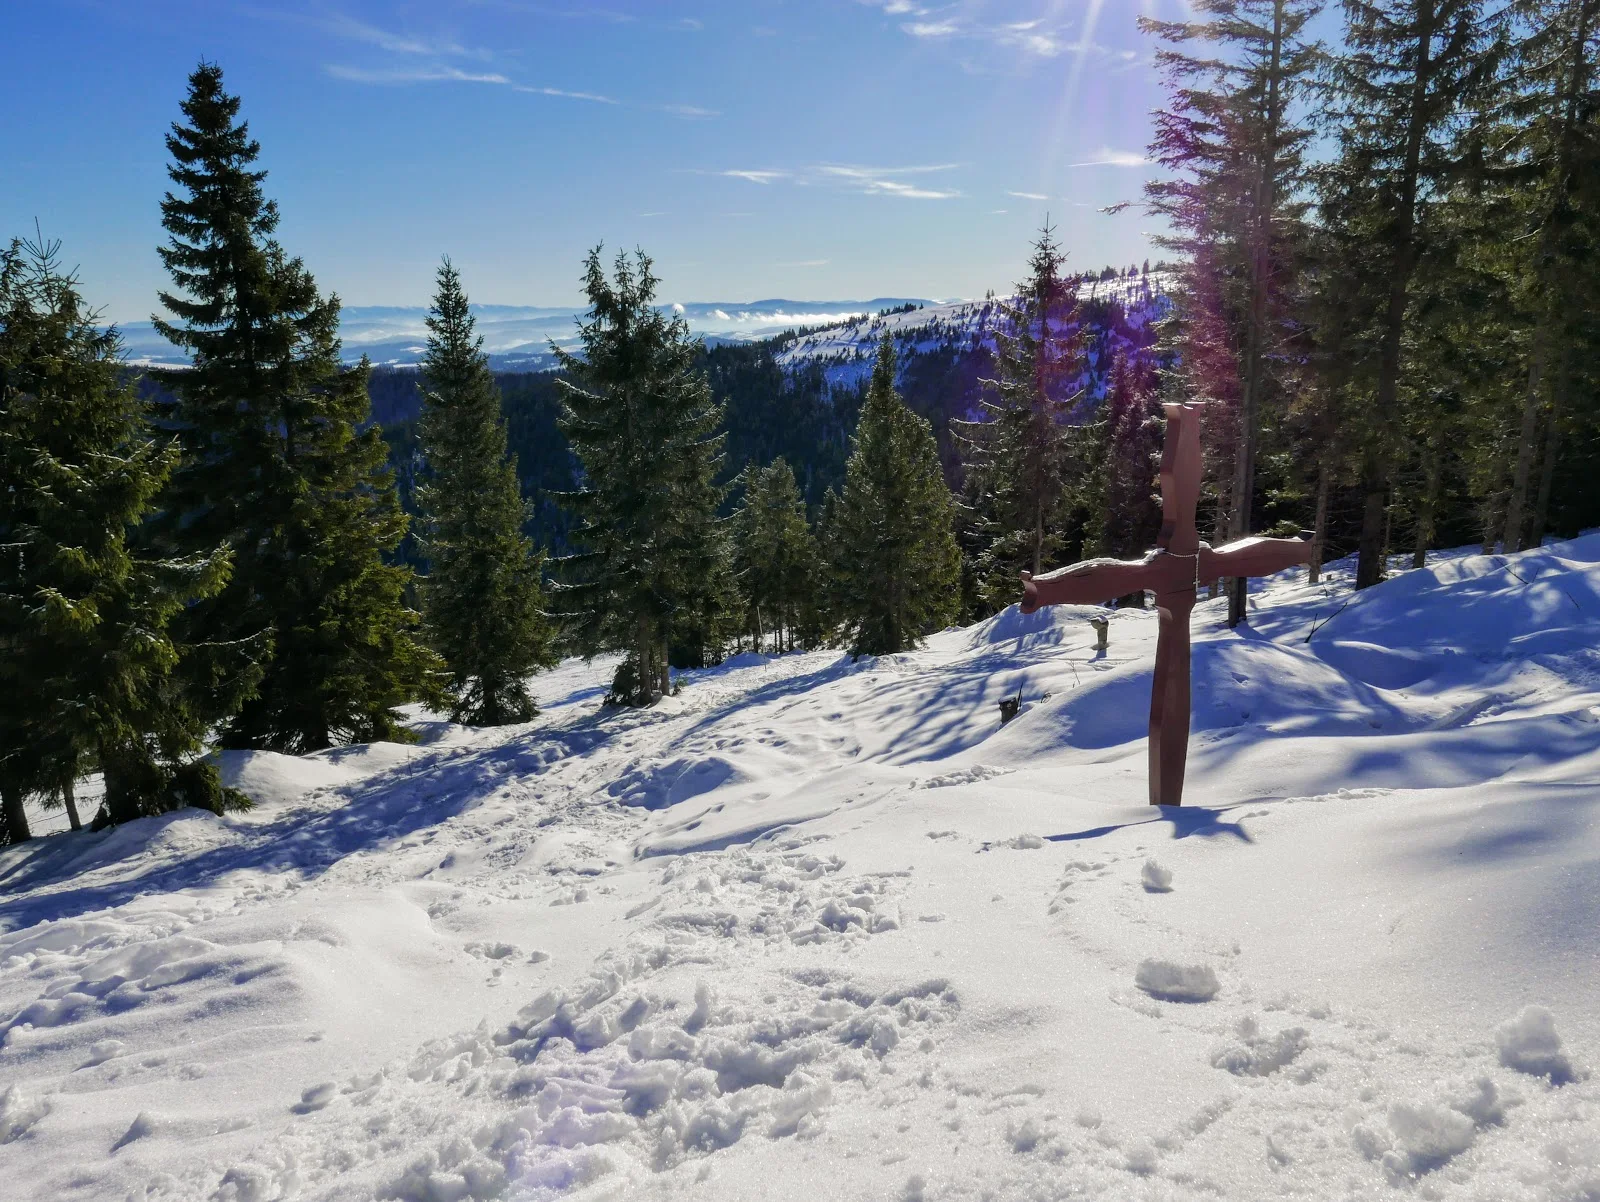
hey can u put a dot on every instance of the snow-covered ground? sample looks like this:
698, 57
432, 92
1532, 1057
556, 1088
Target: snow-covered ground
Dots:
814, 929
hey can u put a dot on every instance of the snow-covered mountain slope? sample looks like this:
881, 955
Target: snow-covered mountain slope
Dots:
518, 337
846, 351
822, 929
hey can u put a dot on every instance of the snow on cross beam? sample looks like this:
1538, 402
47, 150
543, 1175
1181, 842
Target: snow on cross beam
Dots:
1174, 572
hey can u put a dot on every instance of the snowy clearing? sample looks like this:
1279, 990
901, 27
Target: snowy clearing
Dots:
814, 928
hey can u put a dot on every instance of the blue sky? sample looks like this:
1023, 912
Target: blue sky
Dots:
811, 149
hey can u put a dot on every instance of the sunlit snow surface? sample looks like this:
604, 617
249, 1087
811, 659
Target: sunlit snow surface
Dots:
820, 929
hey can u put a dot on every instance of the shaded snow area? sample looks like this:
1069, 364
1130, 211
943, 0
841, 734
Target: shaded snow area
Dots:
822, 929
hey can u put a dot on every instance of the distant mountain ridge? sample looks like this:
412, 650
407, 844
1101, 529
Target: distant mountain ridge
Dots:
518, 337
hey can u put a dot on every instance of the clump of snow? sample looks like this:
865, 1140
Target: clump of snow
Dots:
1141, 1158
1419, 1138
102, 1050
1177, 982
1155, 878
1022, 843
966, 776
1257, 1055
1529, 1044
19, 1112
315, 1097
143, 1126
1480, 1100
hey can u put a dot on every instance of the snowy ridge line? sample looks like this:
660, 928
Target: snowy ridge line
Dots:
846, 352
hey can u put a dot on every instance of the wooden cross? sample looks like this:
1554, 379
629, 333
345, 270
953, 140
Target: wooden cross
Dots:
1174, 571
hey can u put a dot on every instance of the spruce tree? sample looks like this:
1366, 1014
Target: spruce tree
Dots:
1557, 154
776, 559
652, 569
1411, 74
1133, 450
1233, 138
1021, 458
483, 603
893, 564
276, 464
86, 650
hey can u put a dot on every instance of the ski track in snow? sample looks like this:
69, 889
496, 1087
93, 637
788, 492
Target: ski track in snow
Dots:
815, 928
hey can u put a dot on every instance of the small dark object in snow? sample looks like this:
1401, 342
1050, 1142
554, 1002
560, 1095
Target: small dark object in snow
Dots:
1009, 707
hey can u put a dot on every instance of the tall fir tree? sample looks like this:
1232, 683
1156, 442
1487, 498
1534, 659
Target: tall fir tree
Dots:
483, 601
1405, 89
86, 650
1236, 200
653, 568
889, 541
1021, 458
1552, 114
776, 559
1133, 450
276, 464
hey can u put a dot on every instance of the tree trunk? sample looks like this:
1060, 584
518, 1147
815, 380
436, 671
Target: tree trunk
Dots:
1552, 448
15, 815
1374, 507
1428, 506
647, 665
1319, 539
1375, 470
1526, 441
1260, 234
71, 803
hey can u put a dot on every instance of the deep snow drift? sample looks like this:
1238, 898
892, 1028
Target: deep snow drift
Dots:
819, 929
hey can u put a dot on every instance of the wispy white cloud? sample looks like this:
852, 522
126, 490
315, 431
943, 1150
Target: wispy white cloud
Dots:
562, 93
689, 110
805, 263
1026, 196
881, 181
753, 176
1107, 157
397, 43
889, 187
401, 75
1048, 36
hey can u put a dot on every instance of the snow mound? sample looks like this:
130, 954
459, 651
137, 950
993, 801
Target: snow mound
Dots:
1049, 627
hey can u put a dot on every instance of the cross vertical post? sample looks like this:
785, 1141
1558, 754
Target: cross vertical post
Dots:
1174, 571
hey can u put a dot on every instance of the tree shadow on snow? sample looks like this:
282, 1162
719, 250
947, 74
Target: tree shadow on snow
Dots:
380, 810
